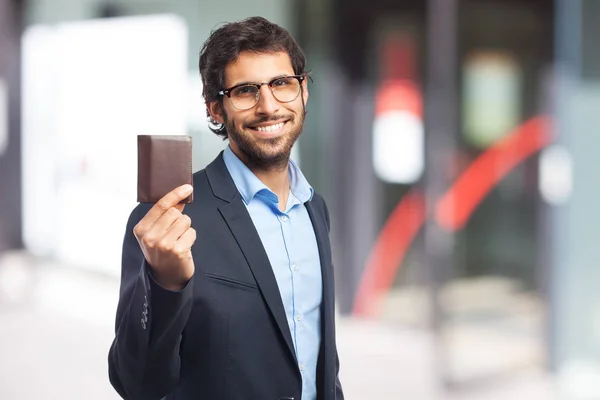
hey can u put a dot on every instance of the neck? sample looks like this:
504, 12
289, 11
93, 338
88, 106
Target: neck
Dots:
275, 176
275, 179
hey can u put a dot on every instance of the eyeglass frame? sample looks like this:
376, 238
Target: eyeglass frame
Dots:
227, 92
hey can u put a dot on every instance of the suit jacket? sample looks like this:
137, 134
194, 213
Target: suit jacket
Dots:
225, 335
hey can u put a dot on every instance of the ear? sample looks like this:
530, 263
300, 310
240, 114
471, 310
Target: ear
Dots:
305, 91
215, 111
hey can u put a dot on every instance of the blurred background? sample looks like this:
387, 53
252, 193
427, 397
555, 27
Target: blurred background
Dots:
455, 142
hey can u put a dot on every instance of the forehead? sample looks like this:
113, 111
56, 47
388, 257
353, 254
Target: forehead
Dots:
257, 67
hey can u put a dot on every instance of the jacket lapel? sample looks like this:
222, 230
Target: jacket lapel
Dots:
321, 232
238, 220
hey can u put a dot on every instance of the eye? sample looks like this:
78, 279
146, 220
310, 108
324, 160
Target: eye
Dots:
282, 82
244, 90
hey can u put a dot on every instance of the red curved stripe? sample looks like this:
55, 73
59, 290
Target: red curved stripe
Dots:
456, 206
452, 210
390, 248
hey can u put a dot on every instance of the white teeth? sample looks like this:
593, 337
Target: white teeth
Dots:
270, 128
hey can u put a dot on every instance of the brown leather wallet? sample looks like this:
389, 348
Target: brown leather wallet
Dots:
164, 163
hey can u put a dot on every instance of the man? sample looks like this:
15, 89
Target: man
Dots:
233, 298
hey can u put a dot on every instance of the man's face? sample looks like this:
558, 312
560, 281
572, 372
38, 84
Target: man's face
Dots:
263, 135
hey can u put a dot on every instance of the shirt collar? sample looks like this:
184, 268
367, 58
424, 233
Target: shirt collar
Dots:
249, 185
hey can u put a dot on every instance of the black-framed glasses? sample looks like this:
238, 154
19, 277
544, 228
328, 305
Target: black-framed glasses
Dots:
245, 96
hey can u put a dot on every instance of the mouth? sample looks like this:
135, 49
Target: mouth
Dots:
269, 129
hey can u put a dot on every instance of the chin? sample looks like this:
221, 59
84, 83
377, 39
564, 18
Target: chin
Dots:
274, 151
265, 155
266, 151
273, 145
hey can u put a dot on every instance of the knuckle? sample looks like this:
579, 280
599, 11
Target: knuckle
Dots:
162, 206
138, 231
166, 245
149, 240
173, 212
179, 250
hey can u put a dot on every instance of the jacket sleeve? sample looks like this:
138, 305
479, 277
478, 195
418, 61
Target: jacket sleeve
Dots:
143, 360
339, 393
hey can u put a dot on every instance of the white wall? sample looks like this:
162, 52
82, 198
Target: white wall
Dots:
201, 15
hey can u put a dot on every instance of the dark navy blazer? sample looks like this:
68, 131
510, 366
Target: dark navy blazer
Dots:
225, 335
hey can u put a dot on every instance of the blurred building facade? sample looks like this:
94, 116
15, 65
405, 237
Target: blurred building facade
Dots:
453, 140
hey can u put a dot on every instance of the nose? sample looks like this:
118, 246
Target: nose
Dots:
267, 103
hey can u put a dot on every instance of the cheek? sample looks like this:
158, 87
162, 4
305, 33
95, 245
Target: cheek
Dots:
232, 119
300, 108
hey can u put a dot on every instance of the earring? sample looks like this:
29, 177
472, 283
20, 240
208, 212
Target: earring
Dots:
212, 123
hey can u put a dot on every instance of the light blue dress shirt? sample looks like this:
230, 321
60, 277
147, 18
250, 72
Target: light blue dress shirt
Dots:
289, 240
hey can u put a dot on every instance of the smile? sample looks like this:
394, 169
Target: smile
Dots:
270, 128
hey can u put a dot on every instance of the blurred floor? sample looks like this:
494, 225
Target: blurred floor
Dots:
56, 325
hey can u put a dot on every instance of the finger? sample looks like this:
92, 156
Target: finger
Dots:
185, 242
155, 235
163, 224
168, 201
178, 228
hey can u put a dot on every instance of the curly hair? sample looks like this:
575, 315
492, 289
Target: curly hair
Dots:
224, 45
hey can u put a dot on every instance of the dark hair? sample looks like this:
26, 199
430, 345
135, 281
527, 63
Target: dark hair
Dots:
223, 46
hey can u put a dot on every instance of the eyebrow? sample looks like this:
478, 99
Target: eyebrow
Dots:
254, 83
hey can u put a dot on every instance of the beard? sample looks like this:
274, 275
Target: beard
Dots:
265, 154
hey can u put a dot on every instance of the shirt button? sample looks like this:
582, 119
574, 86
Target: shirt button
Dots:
299, 317
284, 218
294, 267
301, 367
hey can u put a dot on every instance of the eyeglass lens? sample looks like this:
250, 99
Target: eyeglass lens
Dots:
283, 89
